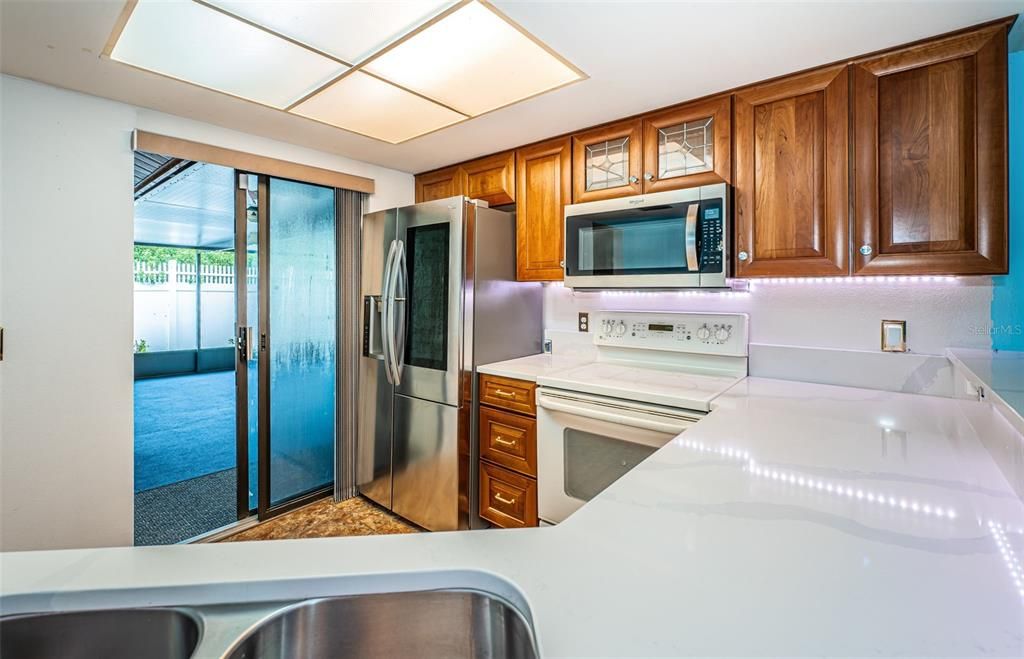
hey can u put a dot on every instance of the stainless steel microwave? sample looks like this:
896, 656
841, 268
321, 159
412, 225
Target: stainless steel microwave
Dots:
674, 239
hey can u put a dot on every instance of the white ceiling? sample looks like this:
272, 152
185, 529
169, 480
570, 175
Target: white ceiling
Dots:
639, 56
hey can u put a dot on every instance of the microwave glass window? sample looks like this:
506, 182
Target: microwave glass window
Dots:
686, 148
593, 462
633, 246
607, 164
427, 296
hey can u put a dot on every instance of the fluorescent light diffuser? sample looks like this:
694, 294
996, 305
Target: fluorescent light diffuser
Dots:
188, 41
364, 104
474, 61
350, 31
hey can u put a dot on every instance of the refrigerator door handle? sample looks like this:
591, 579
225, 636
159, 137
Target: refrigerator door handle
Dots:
390, 325
401, 294
386, 312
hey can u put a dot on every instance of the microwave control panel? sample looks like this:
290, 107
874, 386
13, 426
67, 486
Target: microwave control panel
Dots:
705, 333
712, 235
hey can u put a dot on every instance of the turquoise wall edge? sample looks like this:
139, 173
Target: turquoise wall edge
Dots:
1008, 291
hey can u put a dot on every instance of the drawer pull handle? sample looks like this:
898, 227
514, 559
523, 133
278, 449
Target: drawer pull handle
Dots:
504, 394
507, 502
498, 439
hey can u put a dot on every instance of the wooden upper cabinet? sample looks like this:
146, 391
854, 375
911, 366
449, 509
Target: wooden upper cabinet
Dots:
791, 176
688, 145
929, 127
443, 183
492, 179
543, 188
606, 161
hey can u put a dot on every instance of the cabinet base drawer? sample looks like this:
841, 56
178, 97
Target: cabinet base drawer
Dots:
507, 499
509, 394
509, 440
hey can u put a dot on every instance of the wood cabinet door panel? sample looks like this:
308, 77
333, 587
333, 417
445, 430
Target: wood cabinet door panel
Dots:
624, 177
658, 178
792, 196
492, 179
443, 183
543, 188
930, 152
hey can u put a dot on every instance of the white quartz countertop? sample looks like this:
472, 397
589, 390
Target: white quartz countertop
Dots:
1002, 374
794, 520
534, 366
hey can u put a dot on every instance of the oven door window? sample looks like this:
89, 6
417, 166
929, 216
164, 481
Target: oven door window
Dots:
593, 462
648, 241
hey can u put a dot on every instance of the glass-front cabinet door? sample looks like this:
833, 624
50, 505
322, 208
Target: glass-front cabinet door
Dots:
687, 145
607, 162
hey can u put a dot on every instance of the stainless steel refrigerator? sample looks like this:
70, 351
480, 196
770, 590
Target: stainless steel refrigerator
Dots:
440, 296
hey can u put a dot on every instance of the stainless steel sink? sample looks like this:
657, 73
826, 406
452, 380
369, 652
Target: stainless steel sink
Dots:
449, 623
111, 634
426, 624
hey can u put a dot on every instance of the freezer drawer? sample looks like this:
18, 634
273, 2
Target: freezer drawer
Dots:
426, 463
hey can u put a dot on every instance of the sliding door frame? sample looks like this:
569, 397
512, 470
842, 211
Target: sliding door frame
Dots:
340, 484
242, 320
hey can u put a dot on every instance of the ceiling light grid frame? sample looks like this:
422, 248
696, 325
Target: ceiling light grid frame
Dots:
361, 74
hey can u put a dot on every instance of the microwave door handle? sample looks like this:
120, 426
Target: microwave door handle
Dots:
691, 237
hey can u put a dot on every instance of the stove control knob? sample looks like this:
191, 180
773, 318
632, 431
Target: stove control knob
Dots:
722, 333
620, 329
703, 333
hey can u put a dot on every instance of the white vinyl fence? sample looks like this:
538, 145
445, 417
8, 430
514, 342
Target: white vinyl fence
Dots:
165, 305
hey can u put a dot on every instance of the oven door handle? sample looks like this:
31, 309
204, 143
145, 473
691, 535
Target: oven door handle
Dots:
592, 411
691, 237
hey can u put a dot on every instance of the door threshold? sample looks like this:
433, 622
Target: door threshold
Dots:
218, 534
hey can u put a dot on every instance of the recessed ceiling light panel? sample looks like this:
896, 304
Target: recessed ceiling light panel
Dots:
364, 104
197, 44
351, 30
474, 60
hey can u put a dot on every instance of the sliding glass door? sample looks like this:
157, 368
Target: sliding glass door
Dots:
302, 306
287, 342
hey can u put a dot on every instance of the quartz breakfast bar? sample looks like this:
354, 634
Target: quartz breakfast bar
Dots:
794, 520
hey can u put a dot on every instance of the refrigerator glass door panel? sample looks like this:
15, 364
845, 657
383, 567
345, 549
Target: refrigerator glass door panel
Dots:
426, 468
431, 283
373, 454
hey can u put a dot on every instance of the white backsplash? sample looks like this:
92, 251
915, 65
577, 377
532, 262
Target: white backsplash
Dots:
825, 331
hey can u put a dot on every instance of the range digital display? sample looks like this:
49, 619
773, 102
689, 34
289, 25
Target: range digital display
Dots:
659, 328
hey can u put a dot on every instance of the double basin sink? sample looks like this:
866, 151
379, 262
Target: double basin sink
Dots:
434, 623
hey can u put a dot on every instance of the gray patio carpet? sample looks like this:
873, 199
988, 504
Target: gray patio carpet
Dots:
179, 511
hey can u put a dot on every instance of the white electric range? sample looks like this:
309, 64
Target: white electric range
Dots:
655, 375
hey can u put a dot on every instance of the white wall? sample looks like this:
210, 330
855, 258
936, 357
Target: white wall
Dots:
66, 410
824, 331
845, 314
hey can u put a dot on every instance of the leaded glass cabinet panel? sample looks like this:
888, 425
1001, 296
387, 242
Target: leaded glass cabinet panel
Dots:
607, 161
688, 145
